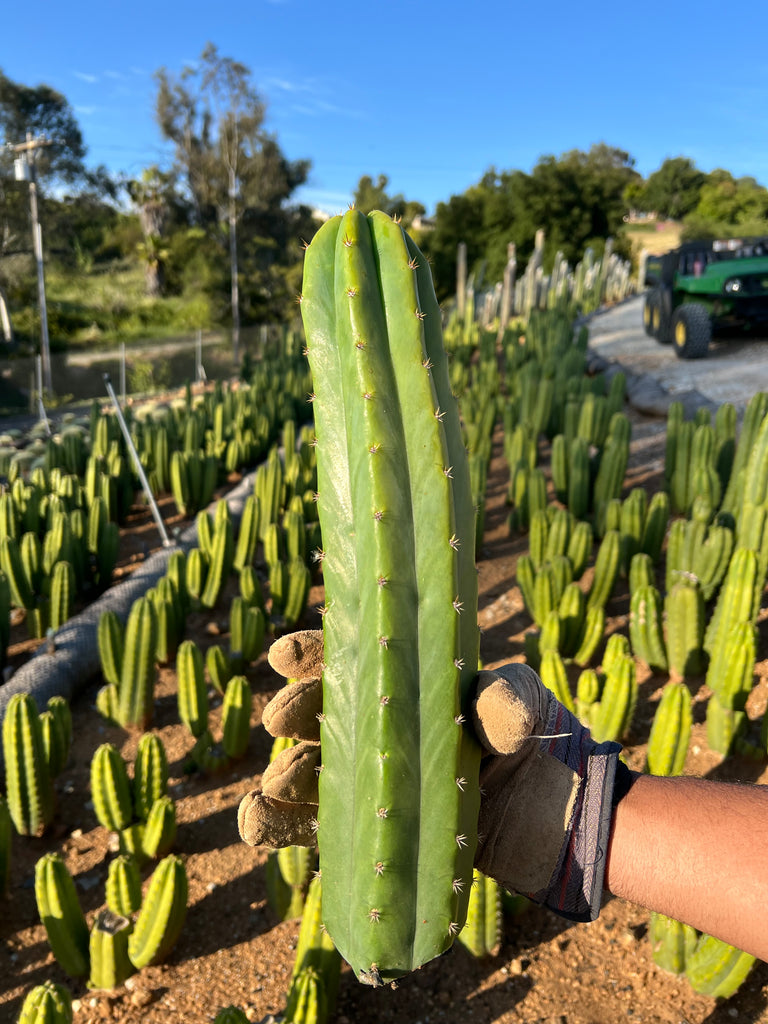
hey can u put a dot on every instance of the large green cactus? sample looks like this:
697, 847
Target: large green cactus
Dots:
399, 786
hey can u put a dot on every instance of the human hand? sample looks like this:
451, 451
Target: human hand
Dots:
546, 785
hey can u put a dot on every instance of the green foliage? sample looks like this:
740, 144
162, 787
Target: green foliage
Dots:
576, 198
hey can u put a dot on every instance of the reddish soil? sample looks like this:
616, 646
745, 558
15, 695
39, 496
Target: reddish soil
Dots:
234, 950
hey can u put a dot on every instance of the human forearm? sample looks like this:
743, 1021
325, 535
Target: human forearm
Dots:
696, 851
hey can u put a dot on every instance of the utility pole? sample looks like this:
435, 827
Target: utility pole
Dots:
25, 171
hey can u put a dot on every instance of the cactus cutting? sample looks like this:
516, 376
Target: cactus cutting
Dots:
398, 787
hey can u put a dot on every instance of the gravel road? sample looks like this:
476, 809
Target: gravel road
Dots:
733, 370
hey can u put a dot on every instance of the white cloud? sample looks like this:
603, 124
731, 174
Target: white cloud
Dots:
90, 79
85, 111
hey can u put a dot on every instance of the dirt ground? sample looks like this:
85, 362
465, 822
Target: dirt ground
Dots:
234, 950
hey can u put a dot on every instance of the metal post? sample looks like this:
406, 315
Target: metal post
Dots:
201, 378
37, 244
167, 542
40, 404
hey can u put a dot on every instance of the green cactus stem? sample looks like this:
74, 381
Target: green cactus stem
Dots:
150, 774
28, 781
307, 1002
646, 630
716, 969
314, 947
218, 667
159, 832
110, 788
47, 1004
192, 695
108, 949
672, 943
61, 914
613, 715
123, 887
111, 642
137, 677
162, 914
399, 785
670, 731
481, 935
236, 716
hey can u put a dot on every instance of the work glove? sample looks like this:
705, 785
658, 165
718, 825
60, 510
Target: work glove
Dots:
547, 787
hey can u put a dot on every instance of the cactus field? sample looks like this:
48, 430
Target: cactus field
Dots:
233, 949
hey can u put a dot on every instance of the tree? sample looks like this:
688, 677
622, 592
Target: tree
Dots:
43, 111
230, 164
150, 194
577, 198
373, 196
674, 189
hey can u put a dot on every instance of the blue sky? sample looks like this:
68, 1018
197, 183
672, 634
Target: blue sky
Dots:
431, 94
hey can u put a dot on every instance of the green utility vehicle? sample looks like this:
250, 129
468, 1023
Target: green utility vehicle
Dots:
703, 287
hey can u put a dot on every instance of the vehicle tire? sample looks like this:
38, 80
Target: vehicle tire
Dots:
663, 333
649, 305
691, 331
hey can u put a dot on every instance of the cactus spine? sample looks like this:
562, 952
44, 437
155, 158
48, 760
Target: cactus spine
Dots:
401, 640
61, 914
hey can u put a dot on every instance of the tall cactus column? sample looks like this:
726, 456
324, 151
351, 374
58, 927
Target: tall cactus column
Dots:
398, 787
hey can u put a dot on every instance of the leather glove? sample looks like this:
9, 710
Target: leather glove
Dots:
547, 787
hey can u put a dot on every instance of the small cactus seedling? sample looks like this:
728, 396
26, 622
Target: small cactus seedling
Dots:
399, 792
